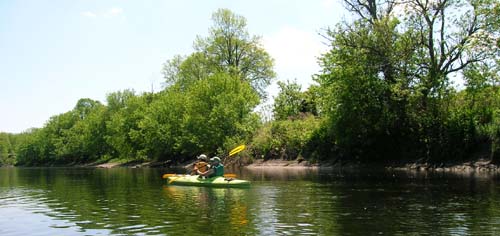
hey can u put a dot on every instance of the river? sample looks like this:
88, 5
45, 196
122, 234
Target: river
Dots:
125, 201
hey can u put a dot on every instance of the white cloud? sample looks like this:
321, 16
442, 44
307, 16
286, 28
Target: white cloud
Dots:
295, 50
296, 55
88, 14
113, 12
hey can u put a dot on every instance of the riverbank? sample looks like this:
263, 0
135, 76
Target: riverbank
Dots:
255, 164
469, 166
479, 165
133, 164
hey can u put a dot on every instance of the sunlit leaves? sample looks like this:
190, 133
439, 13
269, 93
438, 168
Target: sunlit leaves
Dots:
228, 48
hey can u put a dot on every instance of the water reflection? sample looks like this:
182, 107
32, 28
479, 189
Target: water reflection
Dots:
62, 201
278, 173
210, 208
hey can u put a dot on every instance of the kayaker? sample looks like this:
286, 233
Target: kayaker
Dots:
216, 168
201, 165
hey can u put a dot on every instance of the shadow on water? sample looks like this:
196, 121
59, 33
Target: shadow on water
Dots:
281, 201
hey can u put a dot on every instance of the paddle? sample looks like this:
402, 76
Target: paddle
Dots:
174, 175
236, 150
231, 153
168, 175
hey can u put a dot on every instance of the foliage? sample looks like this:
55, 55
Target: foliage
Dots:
289, 100
123, 124
207, 116
228, 49
386, 80
285, 139
207, 107
7, 149
384, 93
365, 98
292, 102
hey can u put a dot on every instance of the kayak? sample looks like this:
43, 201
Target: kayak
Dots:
195, 180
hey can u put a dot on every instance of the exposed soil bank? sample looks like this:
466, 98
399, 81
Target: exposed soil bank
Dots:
284, 163
469, 166
478, 165
133, 164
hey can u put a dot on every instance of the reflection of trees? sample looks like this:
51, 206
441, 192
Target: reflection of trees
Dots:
128, 201
131, 201
430, 203
213, 210
279, 173
295, 207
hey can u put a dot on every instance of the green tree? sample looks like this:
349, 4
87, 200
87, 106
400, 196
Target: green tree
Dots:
213, 113
160, 128
5, 149
481, 102
386, 80
365, 98
228, 48
219, 111
286, 139
127, 110
451, 35
86, 139
289, 100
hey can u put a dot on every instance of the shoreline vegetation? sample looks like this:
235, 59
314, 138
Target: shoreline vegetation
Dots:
385, 96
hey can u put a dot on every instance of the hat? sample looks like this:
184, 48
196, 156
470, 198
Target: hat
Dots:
217, 159
202, 157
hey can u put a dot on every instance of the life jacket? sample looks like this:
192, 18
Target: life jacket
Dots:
218, 170
201, 166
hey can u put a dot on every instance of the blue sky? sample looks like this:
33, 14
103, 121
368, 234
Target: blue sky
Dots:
52, 53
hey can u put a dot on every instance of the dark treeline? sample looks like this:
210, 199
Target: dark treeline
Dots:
385, 93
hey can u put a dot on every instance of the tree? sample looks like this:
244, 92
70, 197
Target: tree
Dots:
125, 113
211, 114
451, 35
229, 48
481, 102
5, 149
364, 85
387, 78
289, 101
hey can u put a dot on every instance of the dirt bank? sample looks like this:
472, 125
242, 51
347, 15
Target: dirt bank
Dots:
282, 163
480, 165
133, 164
468, 166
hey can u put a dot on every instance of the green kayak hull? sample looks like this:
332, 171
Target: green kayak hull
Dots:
195, 180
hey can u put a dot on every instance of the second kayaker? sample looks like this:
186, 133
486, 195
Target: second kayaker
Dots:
216, 168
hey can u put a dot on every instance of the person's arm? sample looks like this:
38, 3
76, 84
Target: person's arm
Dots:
206, 173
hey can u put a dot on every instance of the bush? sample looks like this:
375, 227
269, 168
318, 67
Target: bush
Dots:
285, 139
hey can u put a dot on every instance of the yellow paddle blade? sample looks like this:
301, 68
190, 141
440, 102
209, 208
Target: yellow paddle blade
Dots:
229, 175
236, 150
168, 175
172, 179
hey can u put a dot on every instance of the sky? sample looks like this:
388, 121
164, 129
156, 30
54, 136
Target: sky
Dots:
53, 53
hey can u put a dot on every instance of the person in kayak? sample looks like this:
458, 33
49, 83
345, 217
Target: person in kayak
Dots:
201, 165
216, 168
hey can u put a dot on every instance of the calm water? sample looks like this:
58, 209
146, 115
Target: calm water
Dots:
69, 201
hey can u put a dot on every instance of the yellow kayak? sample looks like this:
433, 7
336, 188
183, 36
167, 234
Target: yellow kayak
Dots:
196, 180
